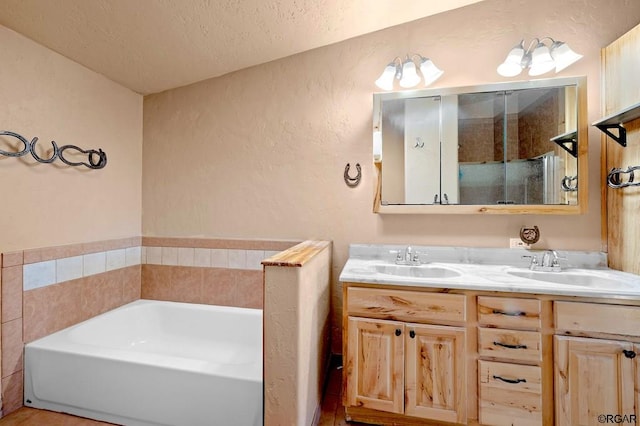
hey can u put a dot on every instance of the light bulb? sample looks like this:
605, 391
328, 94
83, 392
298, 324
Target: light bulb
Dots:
385, 81
563, 55
429, 71
409, 75
512, 65
541, 60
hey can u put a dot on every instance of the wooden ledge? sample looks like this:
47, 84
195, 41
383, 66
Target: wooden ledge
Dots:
297, 255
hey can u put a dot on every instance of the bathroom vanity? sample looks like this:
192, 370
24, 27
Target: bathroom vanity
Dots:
477, 337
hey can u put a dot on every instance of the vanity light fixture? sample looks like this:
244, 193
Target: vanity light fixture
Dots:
407, 72
538, 57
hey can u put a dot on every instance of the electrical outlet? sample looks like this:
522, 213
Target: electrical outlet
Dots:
518, 243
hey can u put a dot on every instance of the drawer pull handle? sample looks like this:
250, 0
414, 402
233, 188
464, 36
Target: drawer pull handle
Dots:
513, 381
412, 334
398, 332
629, 354
505, 345
511, 314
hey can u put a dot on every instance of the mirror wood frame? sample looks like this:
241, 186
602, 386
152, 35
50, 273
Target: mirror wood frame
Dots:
557, 209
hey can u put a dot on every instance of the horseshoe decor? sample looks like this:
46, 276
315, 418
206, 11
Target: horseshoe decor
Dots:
96, 159
352, 182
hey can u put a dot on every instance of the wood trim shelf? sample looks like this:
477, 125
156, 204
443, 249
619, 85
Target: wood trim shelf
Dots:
616, 121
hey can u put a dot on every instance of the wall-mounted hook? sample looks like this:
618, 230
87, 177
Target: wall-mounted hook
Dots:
352, 182
419, 143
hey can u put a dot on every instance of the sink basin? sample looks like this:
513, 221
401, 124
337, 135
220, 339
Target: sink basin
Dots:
421, 271
568, 278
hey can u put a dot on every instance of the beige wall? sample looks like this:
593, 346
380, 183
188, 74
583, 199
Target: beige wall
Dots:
47, 96
260, 153
296, 333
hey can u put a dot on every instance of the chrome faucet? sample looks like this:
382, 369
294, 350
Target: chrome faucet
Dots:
549, 263
550, 259
407, 256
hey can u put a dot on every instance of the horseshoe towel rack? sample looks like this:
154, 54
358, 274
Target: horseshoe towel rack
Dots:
96, 158
616, 181
352, 182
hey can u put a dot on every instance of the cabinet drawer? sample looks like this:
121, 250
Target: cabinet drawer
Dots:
403, 305
597, 318
510, 394
510, 344
509, 312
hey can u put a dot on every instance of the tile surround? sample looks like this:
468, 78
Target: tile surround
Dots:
249, 259
49, 272
47, 289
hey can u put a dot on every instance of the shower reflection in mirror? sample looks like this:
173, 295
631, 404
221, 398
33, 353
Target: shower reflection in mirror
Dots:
491, 146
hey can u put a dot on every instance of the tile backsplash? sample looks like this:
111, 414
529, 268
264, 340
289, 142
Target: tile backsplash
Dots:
206, 257
42, 274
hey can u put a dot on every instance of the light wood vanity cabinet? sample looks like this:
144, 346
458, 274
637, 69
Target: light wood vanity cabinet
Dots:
598, 373
427, 356
396, 364
510, 387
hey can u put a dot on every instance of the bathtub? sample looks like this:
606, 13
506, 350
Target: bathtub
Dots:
153, 363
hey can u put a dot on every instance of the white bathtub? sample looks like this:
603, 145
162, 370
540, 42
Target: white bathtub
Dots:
153, 363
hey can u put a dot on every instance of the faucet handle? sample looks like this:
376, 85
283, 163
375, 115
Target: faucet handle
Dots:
398, 253
533, 257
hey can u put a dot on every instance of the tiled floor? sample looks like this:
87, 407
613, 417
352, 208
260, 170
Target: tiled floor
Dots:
332, 410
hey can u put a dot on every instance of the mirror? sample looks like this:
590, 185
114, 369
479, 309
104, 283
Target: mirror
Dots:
499, 148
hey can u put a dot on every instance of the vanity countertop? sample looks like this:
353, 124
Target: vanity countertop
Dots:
583, 274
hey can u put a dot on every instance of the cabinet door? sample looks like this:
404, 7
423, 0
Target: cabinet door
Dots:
375, 362
593, 377
435, 373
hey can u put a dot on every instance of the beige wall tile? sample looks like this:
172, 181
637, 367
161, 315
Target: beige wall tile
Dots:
132, 281
13, 258
249, 289
156, 282
186, 284
100, 293
12, 347
52, 308
219, 287
12, 392
52, 253
11, 293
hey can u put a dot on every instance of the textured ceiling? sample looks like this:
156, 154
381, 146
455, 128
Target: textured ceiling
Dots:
154, 45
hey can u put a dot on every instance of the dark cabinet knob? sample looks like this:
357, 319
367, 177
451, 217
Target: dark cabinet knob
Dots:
412, 334
398, 332
629, 354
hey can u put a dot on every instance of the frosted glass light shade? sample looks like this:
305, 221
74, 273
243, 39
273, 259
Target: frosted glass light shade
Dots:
563, 56
385, 81
512, 65
429, 71
541, 60
409, 75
